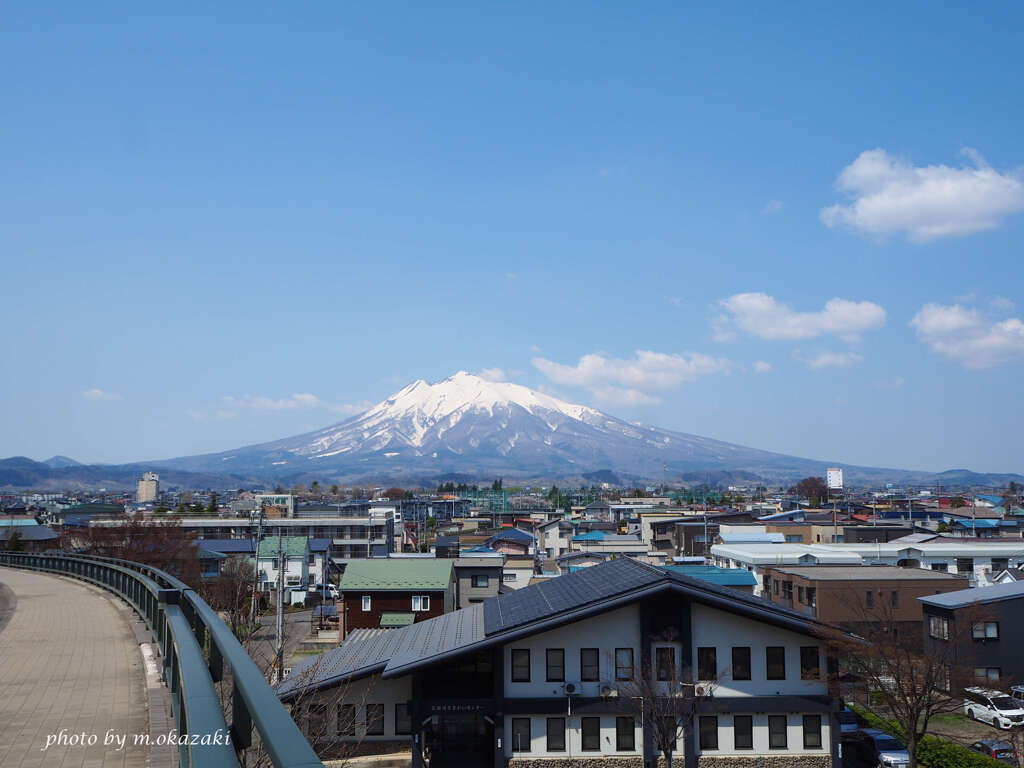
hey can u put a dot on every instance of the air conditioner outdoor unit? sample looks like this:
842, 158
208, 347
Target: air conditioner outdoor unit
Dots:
572, 689
608, 691
702, 689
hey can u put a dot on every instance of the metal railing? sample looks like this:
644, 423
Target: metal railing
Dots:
195, 646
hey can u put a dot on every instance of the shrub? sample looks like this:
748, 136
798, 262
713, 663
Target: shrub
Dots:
932, 751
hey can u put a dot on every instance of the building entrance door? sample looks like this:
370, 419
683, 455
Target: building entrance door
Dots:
461, 739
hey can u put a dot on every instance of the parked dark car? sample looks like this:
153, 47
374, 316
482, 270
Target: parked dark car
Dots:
871, 748
1002, 751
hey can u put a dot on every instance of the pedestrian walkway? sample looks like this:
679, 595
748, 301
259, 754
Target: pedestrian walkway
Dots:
70, 670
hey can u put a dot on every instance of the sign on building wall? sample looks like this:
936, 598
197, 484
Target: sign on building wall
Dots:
834, 478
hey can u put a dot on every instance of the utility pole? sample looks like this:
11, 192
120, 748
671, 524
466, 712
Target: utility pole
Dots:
256, 574
279, 654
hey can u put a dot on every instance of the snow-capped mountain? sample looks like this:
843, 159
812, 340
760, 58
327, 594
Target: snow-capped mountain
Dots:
470, 426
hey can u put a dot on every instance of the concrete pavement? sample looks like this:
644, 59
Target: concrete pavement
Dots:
70, 668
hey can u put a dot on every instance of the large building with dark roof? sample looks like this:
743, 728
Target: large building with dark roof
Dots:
547, 676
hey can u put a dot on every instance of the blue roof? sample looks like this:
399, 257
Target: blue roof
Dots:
589, 536
513, 534
726, 577
228, 546
1011, 590
985, 522
319, 545
989, 497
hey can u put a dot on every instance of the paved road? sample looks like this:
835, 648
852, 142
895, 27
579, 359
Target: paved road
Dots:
69, 663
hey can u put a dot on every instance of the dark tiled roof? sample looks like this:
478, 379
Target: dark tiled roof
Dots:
498, 619
228, 546
573, 590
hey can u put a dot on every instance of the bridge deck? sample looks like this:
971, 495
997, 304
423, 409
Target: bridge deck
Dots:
69, 664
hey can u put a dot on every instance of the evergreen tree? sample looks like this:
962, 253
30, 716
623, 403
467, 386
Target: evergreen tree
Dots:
212, 508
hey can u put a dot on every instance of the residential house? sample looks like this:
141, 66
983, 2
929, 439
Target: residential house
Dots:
477, 578
992, 646
294, 550
513, 542
516, 572
553, 538
386, 593
543, 676
851, 595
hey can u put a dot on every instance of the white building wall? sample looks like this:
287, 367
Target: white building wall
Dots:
573, 738
370, 690
619, 628
722, 630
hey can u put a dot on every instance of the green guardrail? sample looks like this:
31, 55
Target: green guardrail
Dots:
195, 647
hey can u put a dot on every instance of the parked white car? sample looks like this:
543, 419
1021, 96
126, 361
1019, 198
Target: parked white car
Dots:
994, 707
330, 589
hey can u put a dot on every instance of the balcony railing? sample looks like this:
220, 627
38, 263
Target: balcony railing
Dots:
195, 646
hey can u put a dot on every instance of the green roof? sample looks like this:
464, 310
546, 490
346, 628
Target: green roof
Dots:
388, 620
383, 574
293, 546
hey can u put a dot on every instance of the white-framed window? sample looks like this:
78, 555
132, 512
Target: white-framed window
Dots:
508, 576
366, 602
421, 602
985, 630
991, 674
938, 627
480, 580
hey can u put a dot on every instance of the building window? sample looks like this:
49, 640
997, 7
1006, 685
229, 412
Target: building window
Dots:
556, 734
317, 723
708, 733
812, 597
665, 663
938, 627
403, 722
623, 663
1000, 564
520, 665
985, 630
625, 733
775, 584
743, 732
991, 674
347, 719
421, 602
555, 665
508, 577
366, 602
520, 734
590, 734
812, 731
775, 662
741, 662
869, 599
964, 564
374, 719
707, 664
940, 567
590, 665
787, 590
480, 581
800, 595
810, 666
776, 731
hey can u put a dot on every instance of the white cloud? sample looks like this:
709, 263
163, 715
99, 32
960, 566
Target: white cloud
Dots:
896, 382
889, 195
967, 336
493, 374
773, 206
760, 366
631, 382
99, 394
351, 409
1002, 304
259, 403
826, 359
763, 316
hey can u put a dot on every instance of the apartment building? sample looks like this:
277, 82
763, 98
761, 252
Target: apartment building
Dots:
542, 677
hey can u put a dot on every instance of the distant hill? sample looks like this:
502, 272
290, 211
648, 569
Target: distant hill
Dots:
468, 428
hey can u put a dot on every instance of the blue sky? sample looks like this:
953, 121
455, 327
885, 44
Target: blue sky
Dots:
794, 227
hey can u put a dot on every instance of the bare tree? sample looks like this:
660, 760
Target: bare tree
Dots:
910, 677
163, 544
231, 592
664, 695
